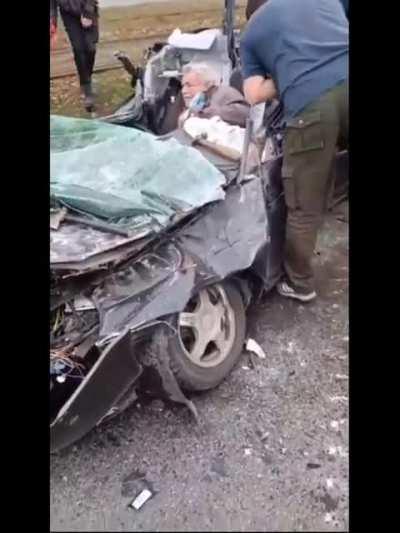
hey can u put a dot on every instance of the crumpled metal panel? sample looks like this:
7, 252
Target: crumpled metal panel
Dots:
74, 243
227, 239
159, 285
224, 240
113, 373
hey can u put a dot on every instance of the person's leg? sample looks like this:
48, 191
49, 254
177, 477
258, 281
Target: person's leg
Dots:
75, 33
338, 202
342, 99
308, 152
91, 36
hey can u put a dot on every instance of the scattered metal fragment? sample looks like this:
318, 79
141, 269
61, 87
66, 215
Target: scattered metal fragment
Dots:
141, 499
253, 347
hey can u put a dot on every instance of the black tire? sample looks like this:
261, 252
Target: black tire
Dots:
195, 378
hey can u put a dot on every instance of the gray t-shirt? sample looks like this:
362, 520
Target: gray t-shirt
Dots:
302, 44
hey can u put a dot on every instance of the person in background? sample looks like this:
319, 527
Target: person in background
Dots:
204, 96
80, 18
299, 51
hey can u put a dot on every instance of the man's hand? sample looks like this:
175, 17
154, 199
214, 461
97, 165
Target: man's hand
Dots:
53, 26
258, 90
53, 32
86, 23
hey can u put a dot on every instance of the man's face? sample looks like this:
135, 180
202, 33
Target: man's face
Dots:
192, 84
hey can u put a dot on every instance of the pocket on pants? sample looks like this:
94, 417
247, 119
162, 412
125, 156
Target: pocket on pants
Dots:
304, 133
289, 186
304, 161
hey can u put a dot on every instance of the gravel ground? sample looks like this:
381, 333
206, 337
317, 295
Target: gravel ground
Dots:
271, 453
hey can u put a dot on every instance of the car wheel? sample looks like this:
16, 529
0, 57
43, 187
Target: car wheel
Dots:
210, 337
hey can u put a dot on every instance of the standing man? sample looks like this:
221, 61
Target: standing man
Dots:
299, 51
80, 18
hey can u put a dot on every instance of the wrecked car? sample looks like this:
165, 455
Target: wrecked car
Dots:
158, 244
150, 267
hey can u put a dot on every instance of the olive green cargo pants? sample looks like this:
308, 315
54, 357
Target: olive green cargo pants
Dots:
309, 150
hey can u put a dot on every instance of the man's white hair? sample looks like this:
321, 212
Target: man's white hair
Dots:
207, 73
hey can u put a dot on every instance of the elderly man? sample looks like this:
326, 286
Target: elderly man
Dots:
300, 49
205, 97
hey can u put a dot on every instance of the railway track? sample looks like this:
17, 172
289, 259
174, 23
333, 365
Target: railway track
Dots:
132, 30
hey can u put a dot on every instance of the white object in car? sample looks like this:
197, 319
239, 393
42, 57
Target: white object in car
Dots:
216, 131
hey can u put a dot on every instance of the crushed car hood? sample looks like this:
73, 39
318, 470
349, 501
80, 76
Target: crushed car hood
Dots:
126, 176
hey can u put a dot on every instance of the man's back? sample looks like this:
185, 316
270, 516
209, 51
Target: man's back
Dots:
302, 45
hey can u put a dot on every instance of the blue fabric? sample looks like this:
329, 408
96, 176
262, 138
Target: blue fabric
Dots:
303, 45
345, 4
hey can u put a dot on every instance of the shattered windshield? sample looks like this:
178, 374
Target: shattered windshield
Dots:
125, 176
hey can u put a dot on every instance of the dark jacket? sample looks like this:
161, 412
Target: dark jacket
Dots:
87, 8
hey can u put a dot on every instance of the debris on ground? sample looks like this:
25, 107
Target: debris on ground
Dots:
334, 425
253, 347
337, 450
329, 483
330, 502
134, 483
218, 467
313, 466
141, 499
157, 405
339, 399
